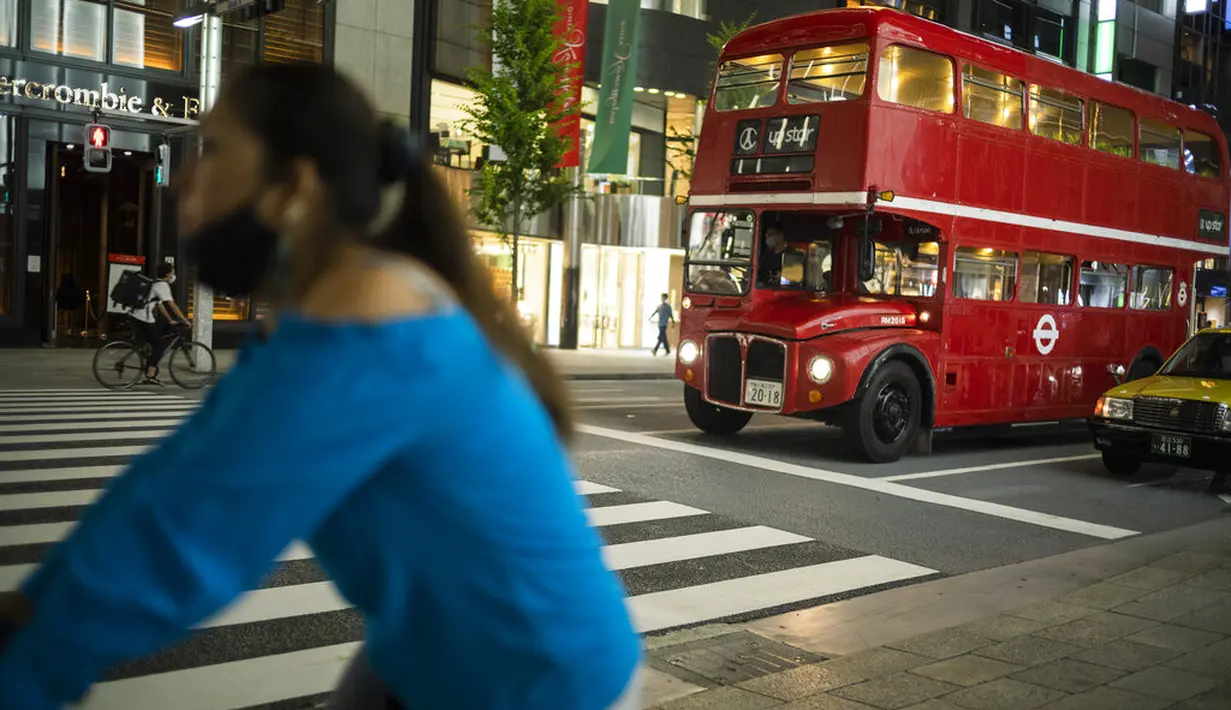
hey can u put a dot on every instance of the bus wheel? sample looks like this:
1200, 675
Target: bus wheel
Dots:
710, 418
1120, 464
885, 420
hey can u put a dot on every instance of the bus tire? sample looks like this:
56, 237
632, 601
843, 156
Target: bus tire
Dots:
710, 418
884, 421
1120, 464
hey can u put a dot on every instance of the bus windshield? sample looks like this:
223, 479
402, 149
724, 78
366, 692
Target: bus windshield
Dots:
904, 269
1207, 355
794, 266
720, 252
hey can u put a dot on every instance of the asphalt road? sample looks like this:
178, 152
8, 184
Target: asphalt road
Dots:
699, 528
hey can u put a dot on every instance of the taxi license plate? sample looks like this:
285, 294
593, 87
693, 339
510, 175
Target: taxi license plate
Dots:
1177, 446
763, 393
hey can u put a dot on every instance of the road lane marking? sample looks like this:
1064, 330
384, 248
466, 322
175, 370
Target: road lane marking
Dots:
985, 467
112, 416
633, 405
161, 408
83, 436
639, 513
690, 547
77, 426
57, 454
876, 485
751, 427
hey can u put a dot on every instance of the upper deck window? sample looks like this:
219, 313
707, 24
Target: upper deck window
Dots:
1111, 129
991, 97
835, 73
1202, 155
750, 82
913, 77
1160, 143
1055, 115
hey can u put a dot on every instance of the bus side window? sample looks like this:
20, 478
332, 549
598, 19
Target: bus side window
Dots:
1201, 155
1160, 143
1151, 288
991, 97
913, 77
1102, 285
1111, 129
984, 274
1055, 115
835, 73
1046, 279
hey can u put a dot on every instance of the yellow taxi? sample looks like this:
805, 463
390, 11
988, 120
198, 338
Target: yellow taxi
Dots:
1178, 415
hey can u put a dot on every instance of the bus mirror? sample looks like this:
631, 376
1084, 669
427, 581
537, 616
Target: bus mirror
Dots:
867, 257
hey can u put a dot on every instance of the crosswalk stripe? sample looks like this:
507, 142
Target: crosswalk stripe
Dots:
79, 409
100, 425
691, 547
100, 400
39, 475
47, 499
56, 454
640, 512
86, 436
690, 605
97, 416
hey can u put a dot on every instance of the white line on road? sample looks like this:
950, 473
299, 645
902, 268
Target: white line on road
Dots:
640, 513
587, 488
160, 408
83, 436
624, 400
81, 401
48, 499
56, 454
109, 416
690, 605
899, 490
77, 426
38, 475
1225, 498
986, 467
629, 406
691, 547
749, 428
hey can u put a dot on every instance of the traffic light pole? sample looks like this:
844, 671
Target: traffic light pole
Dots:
211, 79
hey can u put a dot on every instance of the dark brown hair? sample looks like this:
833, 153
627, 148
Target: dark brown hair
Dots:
334, 126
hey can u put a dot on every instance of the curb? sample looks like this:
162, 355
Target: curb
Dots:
649, 376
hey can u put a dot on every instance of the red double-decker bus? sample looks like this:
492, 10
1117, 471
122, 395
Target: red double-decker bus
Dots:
899, 228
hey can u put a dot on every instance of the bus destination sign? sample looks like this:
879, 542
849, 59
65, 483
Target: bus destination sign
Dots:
780, 145
748, 136
794, 134
1211, 224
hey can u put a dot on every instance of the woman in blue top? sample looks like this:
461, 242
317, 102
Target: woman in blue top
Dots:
395, 418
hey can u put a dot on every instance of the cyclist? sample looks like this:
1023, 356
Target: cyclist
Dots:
155, 321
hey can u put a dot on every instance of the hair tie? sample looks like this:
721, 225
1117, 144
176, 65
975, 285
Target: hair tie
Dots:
398, 153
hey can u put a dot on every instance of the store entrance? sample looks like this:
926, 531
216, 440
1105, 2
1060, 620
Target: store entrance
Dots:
97, 222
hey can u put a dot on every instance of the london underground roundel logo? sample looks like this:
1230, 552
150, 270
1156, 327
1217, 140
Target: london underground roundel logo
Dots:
1046, 334
1182, 294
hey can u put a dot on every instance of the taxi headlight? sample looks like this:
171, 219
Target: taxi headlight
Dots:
1114, 408
820, 369
689, 352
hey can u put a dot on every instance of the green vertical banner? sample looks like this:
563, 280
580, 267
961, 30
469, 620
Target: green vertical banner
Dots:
609, 153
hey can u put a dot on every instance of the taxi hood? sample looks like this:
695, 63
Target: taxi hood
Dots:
1194, 388
801, 316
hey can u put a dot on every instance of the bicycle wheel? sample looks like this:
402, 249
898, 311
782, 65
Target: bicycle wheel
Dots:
118, 365
191, 365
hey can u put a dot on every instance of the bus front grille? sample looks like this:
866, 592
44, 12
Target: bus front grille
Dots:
1178, 414
724, 373
766, 361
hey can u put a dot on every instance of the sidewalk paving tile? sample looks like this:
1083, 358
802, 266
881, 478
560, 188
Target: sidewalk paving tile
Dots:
1109, 699
825, 702
1003, 627
1215, 617
803, 681
935, 704
895, 691
1219, 579
1104, 595
1029, 650
1069, 675
1052, 612
967, 670
1151, 578
1176, 638
945, 643
1169, 683
1213, 660
1172, 602
1096, 628
1125, 655
1216, 699
876, 662
726, 698
1004, 694
1195, 562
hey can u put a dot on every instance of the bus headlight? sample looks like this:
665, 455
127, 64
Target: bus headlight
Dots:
1114, 408
689, 352
820, 369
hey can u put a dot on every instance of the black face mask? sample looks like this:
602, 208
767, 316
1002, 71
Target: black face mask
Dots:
234, 254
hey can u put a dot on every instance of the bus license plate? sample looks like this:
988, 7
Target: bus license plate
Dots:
1177, 446
763, 393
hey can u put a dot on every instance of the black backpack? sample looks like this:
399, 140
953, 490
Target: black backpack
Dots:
132, 291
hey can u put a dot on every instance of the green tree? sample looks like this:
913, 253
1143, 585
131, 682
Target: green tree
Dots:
517, 106
727, 30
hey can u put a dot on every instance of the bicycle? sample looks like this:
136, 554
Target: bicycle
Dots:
121, 364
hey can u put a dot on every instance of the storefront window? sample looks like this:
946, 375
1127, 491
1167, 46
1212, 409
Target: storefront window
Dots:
296, 34
8, 220
240, 44
8, 23
532, 282
72, 28
144, 37
446, 115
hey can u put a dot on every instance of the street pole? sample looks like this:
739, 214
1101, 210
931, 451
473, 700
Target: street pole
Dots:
211, 79
570, 303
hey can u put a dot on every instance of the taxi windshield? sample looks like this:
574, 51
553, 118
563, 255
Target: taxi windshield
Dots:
1207, 355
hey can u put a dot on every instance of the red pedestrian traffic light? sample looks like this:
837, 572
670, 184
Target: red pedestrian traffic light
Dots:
98, 136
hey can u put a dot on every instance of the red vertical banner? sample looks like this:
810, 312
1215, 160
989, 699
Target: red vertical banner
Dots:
571, 30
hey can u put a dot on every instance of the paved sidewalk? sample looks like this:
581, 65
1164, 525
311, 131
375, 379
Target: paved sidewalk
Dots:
49, 368
1152, 637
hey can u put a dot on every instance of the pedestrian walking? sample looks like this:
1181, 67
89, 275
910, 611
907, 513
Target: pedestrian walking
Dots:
665, 317
393, 416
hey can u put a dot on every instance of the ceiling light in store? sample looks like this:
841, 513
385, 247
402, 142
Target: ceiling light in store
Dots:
636, 88
71, 146
128, 153
189, 21
652, 91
